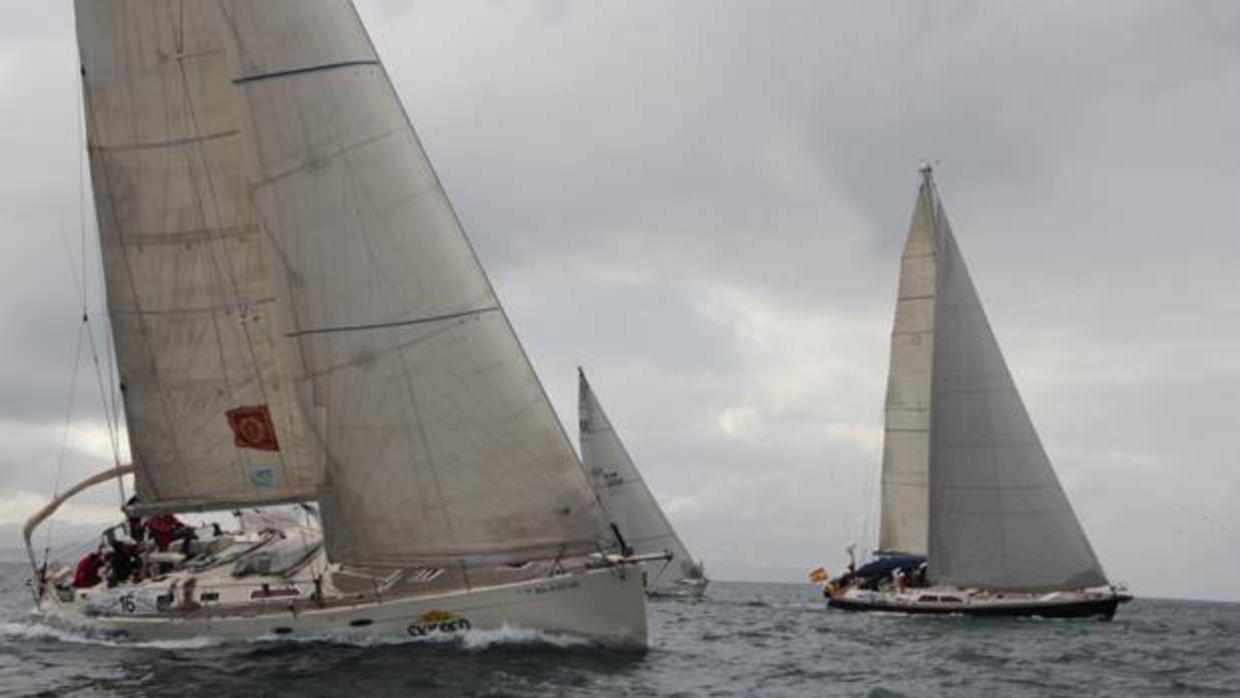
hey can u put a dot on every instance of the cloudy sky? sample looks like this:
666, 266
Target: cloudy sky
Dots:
703, 203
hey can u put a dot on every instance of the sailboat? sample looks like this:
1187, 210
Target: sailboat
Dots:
974, 520
299, 318
630, 505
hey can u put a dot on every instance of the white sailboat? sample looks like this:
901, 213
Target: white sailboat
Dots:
974, 520
630, 505
299, 317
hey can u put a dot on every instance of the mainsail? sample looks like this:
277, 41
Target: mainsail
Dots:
441, 444
297, 311
625, 496
906, 438
192, 310
997, 516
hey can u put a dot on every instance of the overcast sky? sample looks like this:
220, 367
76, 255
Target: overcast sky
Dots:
703, 203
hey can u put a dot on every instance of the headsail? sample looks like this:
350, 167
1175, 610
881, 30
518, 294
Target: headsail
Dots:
999, 518
188, 293
441, 444
625, 496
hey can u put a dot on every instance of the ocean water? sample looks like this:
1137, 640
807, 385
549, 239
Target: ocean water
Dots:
742, 640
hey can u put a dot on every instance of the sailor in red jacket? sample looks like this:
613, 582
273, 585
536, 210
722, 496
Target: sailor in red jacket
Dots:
166, 528
87, 573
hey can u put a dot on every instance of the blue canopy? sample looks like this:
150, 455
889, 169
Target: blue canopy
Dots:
885, 565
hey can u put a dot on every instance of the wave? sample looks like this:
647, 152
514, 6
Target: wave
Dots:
35, 631
471, 641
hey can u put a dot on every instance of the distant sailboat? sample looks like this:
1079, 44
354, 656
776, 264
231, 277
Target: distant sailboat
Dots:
298, 316
973, 520
630, 504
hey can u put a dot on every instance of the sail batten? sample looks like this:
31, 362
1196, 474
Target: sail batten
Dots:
303, 70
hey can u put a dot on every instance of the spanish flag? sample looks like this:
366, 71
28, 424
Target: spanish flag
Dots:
818, 576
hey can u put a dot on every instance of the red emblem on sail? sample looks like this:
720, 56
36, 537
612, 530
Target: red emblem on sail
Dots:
252, 428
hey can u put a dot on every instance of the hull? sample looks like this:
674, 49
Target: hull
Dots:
1101, 604
605, 605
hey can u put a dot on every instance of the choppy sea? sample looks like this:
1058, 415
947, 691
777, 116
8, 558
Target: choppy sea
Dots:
742, 640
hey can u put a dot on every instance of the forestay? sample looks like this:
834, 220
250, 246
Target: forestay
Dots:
628, 501
906, 437
441, 443
188, 293
999, 518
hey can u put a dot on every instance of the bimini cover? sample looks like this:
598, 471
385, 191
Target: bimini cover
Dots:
884, 566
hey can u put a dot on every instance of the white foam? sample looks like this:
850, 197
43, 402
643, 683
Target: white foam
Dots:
508, 635
471, 640
40, 632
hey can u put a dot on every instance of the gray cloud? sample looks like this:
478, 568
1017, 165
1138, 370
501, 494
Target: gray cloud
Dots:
703, 203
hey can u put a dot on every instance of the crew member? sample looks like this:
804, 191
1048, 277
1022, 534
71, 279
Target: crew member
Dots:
167, 528
123, 562
137, 530
87, 573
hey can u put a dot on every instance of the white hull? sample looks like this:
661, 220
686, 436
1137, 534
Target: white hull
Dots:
605, 605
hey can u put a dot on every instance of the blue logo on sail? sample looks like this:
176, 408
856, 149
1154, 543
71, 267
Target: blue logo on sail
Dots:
262, 477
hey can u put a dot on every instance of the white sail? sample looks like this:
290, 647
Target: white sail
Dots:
441, 444
999, 519
906, 438
625, 496
188, 293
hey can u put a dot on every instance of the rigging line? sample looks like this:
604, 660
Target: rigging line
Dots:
113, 437
80, 285
112, 406
83, 290
110, 198
77, 283
64, 441
113, 384
871, 521
112, 409
81, 144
